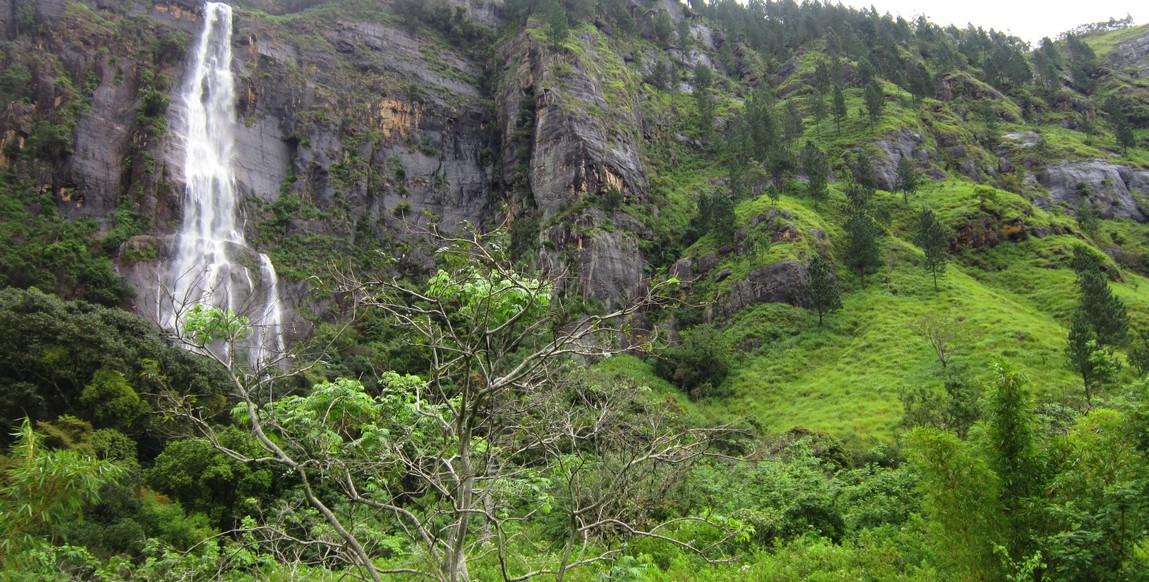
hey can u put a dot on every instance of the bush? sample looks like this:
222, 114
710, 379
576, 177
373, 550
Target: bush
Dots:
698, 365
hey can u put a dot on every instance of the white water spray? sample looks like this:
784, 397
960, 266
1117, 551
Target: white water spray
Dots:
213, 264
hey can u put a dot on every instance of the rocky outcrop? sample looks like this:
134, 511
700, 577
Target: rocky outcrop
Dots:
569, 119
1118, 191
372, 125
779, 282
484, 12
1131, 59
1133, 52
603, 264
782, 282
582, 123
952, 86
986, 230
894, 146
361, 122
367, 125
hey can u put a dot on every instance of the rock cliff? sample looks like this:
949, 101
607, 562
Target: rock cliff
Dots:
359, 123
571, 122
1118, 191
353, 129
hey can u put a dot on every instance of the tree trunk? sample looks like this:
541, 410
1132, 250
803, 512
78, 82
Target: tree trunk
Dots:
455, 564
567, 551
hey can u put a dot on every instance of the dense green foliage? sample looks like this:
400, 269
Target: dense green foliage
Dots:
73, 358
39, 248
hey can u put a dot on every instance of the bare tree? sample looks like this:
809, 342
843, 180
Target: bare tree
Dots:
944, 335
461, 459
614, 456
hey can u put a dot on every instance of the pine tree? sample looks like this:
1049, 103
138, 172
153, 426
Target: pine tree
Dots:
699, 224
660, 74
822, 77
791, 123
1083, 66
1125, 136
662, 27
857, 198
703, 79
840, 110
864, 173
780, 162
1085, 356
1104, 311
817, 170
721, 220
822, 292
763, 125
1139, 355
920, 82
931, 236
907, 178
557, 24
685, 37
1046, 62
875, 100
1013, 455
1122, 128
862, 254
818, 109
727, 59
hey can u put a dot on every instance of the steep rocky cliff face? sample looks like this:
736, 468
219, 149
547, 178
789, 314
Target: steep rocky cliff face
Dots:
353, 129
571, 124
361, 122
78, 123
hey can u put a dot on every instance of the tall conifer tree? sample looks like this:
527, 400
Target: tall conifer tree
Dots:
931, 236
822, 292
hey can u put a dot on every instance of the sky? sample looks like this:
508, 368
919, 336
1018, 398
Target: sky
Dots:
1027, 19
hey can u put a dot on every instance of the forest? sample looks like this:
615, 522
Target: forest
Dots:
613, 290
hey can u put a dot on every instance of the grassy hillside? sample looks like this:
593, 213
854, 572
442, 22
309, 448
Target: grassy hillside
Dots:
1011, 302
982, 152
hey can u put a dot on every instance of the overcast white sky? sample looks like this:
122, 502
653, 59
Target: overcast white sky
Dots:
1028, 19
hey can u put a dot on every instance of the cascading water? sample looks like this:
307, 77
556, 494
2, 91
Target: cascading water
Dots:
213, 264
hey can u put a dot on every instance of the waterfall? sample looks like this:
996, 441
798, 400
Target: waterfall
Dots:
213, 263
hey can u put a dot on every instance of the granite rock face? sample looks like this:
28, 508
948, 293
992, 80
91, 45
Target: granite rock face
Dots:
102, 137
584, 131
1118, 191
369, 126
364, 121
577, 134
1134, 53
605, 264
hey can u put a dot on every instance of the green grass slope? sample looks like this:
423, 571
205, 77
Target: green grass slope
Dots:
1010, 301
